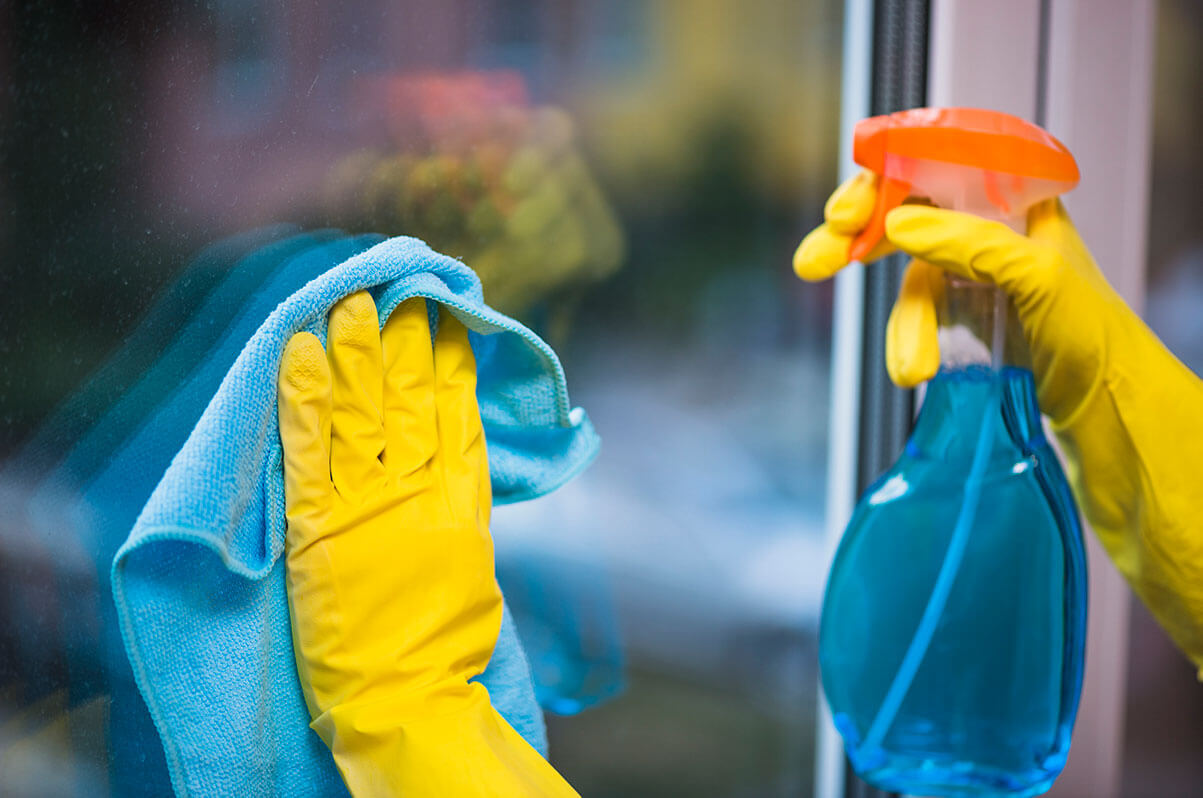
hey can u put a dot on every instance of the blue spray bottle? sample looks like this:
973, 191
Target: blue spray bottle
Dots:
954, 620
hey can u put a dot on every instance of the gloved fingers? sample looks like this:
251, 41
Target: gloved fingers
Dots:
461, 435
411, 436
825, 250
357, 430
912, 346
821, 254
850, 206
305, 406
976, 248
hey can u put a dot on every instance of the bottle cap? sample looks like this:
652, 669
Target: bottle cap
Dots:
968, 159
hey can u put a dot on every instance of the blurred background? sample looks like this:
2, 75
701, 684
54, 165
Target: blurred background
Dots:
1163, 730
629, 178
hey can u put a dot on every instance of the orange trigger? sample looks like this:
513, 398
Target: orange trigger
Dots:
890, 195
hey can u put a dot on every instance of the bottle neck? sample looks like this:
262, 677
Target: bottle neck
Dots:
977, 326
984, 376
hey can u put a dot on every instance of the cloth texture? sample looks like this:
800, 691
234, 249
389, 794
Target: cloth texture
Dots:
199, 584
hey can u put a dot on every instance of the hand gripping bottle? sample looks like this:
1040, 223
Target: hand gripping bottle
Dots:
954, 619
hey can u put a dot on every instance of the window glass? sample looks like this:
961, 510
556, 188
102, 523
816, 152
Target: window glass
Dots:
628, 177
1164, 711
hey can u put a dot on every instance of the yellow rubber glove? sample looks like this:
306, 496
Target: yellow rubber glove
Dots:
1125, 410
394, 602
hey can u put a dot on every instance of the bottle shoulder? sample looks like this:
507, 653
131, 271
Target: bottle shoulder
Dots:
920, 475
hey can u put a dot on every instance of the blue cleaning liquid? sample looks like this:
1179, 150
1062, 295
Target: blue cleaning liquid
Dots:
954, 622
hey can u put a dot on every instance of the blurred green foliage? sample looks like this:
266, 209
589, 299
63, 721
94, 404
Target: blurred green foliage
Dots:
508, 194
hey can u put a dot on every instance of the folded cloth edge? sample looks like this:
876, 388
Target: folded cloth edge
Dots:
145, 533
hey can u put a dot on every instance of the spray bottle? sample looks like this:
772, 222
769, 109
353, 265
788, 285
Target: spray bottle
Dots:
953, 625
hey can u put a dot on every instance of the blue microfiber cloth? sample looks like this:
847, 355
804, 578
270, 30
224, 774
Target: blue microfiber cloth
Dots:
199, 584
84, 510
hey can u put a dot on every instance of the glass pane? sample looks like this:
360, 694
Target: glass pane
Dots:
628, 178
1164, 712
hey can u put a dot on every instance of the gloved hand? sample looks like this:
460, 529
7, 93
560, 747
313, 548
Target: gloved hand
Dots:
1125, 410
394, 602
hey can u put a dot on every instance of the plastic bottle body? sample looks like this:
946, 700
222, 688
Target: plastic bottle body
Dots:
991, 705
953, 626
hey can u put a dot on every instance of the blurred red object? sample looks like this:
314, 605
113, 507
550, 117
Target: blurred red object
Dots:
441, 106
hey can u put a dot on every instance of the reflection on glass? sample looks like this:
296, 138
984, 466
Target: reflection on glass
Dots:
89, 470
566, 619
629, 178
466, 164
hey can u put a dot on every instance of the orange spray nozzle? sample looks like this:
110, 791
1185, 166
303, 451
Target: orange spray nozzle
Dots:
967, 159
